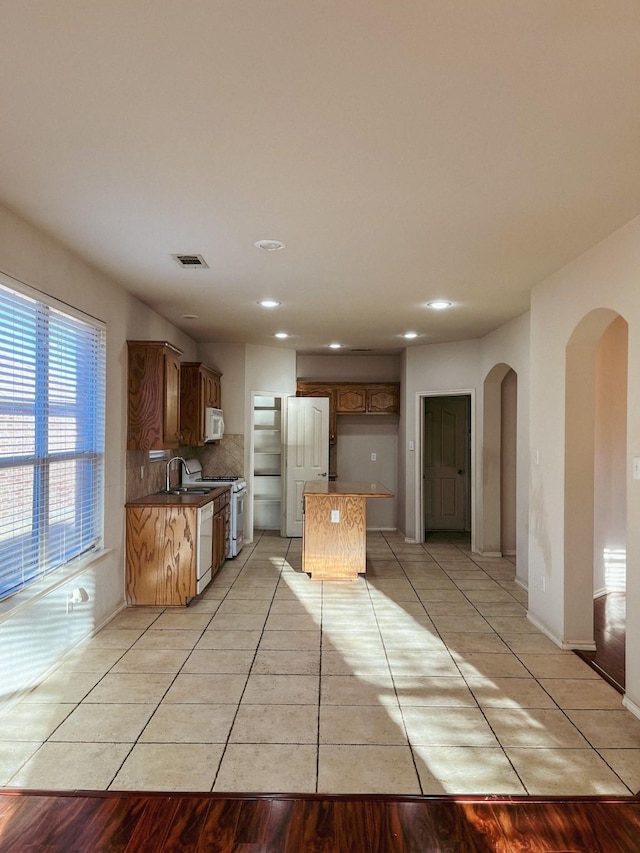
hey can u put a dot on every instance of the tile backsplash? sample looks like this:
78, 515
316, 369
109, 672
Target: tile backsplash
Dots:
223, 459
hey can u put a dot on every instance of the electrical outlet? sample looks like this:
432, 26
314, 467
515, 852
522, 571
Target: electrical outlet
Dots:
335, 516
374, 456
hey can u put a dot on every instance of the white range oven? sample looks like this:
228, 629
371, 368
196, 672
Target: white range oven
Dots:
192, 473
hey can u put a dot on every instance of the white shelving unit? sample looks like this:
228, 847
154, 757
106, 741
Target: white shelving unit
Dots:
267, 462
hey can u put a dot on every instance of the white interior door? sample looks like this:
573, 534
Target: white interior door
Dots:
307, 453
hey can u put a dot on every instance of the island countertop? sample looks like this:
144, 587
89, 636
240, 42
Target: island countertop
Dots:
346, 488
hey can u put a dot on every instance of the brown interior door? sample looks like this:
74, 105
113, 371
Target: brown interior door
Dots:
446, 463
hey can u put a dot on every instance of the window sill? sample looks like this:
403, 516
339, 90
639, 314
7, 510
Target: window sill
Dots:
28, 596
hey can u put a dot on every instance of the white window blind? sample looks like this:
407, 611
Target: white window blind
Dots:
52, 403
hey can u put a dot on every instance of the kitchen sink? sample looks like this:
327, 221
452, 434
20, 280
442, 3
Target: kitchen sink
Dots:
185, 491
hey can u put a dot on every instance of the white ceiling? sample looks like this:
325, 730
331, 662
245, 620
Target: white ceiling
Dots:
404, 150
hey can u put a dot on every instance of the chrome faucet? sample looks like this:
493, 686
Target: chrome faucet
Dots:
168, 471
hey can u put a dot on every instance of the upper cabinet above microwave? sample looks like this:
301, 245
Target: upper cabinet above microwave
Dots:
154, 395
199, 391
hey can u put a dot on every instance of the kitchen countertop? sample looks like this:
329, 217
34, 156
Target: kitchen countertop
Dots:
186, 499
346, 488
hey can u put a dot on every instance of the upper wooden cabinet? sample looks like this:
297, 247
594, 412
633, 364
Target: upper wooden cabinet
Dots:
199, 390
371, 398
322, 389
154, 395
354, 398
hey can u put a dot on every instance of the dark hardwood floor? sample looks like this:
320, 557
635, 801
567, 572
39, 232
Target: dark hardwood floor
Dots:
608, 660
130, 822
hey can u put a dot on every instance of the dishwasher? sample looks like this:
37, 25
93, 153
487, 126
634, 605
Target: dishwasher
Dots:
204, 548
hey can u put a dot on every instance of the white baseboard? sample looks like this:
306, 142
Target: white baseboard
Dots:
631, 706
544, 630
578, 645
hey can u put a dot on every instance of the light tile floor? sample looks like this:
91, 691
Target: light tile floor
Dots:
423, 677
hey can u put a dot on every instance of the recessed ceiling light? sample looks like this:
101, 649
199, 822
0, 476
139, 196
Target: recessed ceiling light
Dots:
282, 334
335, 346
189, 316
410, 335
439, 304
269, 303
269, 245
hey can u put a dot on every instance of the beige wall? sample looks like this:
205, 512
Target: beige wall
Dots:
38, 634
606, 276
358, 437
509, 345
229, 360
348, 368
463, 366
433, 369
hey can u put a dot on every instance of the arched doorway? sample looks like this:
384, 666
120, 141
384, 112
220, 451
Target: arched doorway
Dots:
500, 392
595, 485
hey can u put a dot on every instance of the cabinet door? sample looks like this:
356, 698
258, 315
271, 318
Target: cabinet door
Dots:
199, 389
211, 389
161, 559
351, 400
383, 399
171, 400
219, 539
154, 390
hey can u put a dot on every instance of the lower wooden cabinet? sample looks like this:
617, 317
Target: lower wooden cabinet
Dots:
161, 561
221, 530
161, 554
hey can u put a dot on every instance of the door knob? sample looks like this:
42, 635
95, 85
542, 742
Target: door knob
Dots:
324, 474
460, 471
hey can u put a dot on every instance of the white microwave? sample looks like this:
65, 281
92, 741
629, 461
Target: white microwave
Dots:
213, 424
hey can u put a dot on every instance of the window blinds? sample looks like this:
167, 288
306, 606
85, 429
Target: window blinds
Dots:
52, 407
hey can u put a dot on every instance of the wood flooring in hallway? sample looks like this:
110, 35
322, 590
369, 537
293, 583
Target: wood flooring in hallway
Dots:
103, 822
609, 612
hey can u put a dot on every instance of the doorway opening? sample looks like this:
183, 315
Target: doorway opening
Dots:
497, 536
446, 464
595, 492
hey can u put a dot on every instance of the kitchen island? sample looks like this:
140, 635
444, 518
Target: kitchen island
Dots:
334, 531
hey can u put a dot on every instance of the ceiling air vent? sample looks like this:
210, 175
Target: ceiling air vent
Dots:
360, 349
191, 261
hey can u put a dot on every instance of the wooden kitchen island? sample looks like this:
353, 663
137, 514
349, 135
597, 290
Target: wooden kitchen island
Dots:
334, 531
